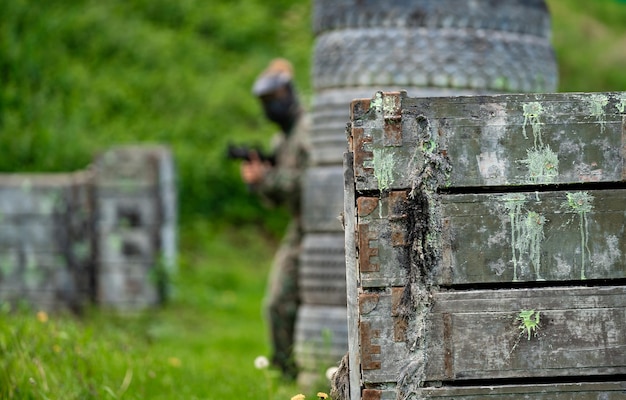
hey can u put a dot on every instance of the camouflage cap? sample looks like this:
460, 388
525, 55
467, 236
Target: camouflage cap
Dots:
278, 73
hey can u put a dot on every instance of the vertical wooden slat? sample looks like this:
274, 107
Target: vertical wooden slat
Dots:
349, 218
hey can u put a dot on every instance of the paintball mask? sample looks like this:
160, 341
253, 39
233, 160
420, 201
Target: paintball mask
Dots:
275, 90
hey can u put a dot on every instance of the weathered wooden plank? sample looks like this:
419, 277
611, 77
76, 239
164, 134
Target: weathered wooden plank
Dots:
381, 231
351, 271
501, 237
581, 332
521, 139
131, 284
454, 192
476, 335
37, 233
567, 391
547, 236
131, 168
383, 350
41, 194
539, 391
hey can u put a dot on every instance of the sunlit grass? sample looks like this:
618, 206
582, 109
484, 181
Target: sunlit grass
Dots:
201, 345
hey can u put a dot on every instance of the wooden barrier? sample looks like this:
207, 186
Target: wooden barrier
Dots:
135, 230
105, 235
45, 239
484, 245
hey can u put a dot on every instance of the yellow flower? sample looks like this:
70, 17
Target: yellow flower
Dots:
42, 317
298, 397
174, 362
322, 395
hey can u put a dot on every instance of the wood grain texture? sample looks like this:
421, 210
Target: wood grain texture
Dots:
533, 236
559, 391
351, 271
505, 140
479, 335
489, 251
580, 332
381, 232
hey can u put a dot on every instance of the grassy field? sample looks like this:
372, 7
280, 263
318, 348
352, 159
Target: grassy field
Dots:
200, 346
80, 76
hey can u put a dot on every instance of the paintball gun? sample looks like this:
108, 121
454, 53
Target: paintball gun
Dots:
244, 153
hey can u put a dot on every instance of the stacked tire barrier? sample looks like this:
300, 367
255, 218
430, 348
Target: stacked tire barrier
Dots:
105, 235
427, 48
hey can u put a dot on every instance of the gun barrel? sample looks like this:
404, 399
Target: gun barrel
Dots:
245, 153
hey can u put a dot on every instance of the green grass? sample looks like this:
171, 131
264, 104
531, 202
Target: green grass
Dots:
200, 346
79, 76
589, 38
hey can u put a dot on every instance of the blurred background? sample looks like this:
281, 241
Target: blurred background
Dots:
80, 76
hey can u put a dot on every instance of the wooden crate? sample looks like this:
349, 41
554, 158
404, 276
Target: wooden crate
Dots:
484, 245
45, 239
135, 228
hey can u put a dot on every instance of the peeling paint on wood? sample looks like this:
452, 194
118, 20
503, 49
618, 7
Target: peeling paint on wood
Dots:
488, 139
486, 257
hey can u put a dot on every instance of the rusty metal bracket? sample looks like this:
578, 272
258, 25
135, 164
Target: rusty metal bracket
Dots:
357, 140
371, 394
365, 205
359, 107
365, 251
368, 302
369, 351
361, 155
394, 209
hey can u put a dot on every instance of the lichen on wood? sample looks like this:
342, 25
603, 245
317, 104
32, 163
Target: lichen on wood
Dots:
513, 204
597, 102
543, 165
532, 238
527, 233
542, 162
430, 171
529, 321
383, 163
581, 203
532, 112
503, 212
621, 103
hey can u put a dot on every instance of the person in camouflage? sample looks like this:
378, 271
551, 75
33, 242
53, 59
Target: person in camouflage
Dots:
280, 184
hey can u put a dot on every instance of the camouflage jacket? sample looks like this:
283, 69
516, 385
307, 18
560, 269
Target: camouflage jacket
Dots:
282, 184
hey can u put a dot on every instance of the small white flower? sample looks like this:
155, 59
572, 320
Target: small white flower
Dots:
330, 372
261, 362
